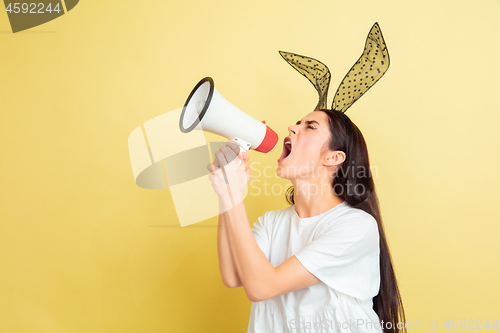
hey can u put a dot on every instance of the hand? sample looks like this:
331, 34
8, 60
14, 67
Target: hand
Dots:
228, 179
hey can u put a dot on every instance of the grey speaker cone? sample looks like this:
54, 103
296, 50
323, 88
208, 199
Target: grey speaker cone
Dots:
195, 117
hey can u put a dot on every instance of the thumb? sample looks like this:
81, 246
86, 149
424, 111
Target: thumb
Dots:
244, 155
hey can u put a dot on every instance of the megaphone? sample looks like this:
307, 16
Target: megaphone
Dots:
205, 109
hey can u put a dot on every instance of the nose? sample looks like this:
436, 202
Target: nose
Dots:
291, 129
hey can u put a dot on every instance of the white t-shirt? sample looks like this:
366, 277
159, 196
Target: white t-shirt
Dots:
341, 248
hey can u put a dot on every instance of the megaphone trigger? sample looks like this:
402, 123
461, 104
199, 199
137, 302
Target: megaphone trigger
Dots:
244, 146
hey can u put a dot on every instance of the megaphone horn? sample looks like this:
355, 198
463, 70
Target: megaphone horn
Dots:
205, 109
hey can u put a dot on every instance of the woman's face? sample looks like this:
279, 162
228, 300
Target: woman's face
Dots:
307, 137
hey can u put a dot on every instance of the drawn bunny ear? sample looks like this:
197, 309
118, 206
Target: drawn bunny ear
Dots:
314, 70
369, 68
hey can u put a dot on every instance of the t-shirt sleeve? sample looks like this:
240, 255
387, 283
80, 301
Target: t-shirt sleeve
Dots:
346, 256
261, 234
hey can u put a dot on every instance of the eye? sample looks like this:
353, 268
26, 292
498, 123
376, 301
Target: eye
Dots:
309, 126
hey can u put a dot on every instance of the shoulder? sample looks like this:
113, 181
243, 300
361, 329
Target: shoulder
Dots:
357, 215
274, 217
353, 221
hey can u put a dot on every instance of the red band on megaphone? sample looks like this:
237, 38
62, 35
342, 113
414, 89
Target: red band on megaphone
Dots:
270, 140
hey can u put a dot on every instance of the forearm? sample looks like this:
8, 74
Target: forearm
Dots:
254, 270
227, 268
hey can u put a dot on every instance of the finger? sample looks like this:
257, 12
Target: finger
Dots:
245, 156
231, 150
229, 154
221, 158
234, 146
211, 167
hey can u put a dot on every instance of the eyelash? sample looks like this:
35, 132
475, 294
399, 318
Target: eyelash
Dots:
307, 126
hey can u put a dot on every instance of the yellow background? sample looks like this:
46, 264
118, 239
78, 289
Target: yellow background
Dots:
84, 249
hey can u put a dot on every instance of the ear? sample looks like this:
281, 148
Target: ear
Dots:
369, 68
334, 158
314, 70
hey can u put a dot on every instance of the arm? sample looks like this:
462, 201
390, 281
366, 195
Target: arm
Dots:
259, 278
226, 265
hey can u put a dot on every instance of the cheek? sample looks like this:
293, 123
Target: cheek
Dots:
312, 147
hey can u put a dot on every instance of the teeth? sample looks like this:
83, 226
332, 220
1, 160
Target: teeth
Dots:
289, 144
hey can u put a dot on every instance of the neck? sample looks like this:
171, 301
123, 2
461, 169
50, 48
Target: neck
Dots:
314, 197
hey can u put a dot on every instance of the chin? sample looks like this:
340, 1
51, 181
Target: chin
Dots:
281, 171
278, 173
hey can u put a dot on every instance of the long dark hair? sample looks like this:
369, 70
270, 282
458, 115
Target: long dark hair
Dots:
353, 174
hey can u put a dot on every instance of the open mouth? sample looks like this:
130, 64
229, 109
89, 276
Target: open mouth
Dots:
287, 149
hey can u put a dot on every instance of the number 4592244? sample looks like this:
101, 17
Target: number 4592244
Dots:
463, 324
31, 8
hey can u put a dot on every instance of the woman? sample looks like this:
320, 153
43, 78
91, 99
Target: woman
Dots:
322, 264
328, 152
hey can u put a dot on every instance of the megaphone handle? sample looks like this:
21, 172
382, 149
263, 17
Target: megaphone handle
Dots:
244, 146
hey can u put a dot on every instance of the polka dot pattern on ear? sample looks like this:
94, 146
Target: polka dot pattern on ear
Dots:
314, 70
369, 68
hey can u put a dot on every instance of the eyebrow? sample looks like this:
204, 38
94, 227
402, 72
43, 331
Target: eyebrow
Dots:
307, 122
